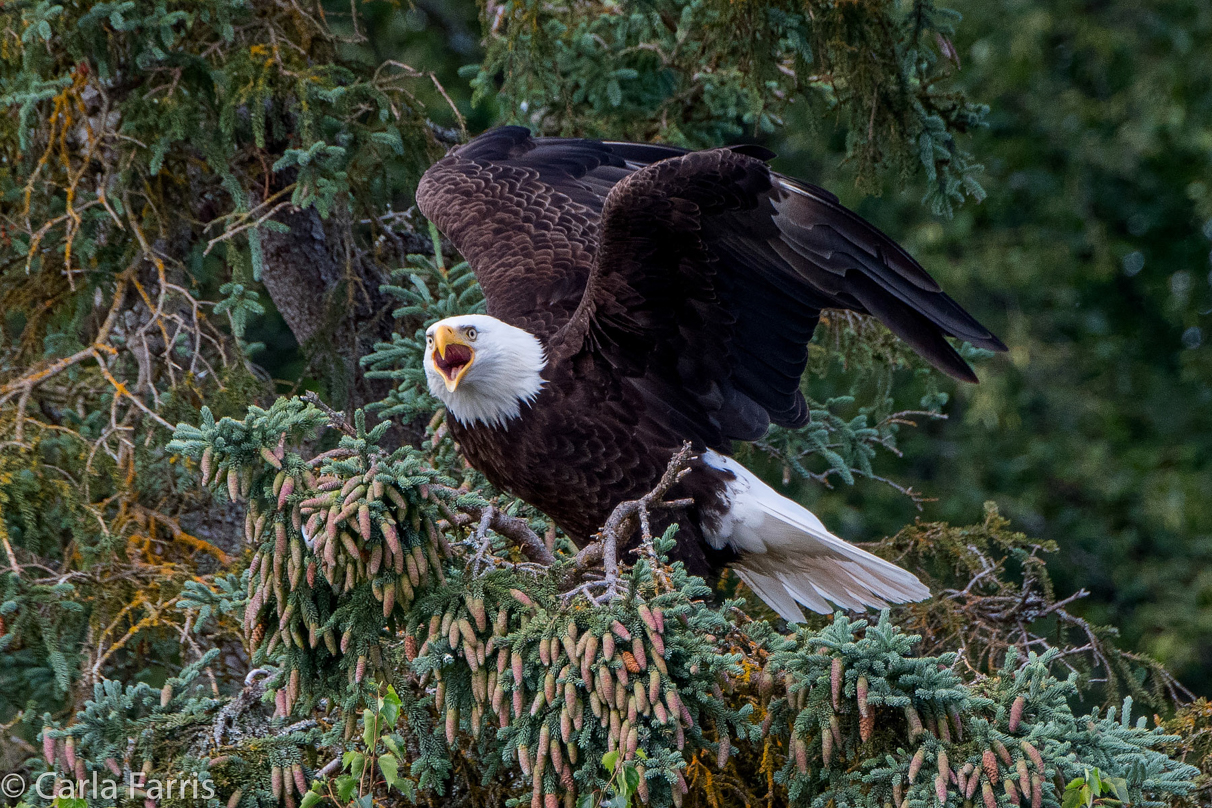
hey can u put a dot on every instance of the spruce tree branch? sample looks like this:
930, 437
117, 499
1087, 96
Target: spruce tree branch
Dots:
619, 526
590, 554
235, 231
485, 543
487, 517
120, 390
243, 216
441, 134
156, 310
39, 375
14, 567
42, 374
155, 613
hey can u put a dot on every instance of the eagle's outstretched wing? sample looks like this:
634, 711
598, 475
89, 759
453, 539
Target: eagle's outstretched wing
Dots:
710, 274
524, 212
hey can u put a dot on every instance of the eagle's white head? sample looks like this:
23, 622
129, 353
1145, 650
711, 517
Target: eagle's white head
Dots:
482, 369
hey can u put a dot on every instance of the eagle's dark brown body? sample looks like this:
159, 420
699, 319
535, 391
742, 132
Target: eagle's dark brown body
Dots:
674, 294
585, 445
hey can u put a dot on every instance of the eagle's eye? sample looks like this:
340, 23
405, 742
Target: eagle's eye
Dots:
471, 333
429, 340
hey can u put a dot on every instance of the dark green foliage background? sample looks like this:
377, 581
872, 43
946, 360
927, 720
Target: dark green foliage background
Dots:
1091, 258
1048, 163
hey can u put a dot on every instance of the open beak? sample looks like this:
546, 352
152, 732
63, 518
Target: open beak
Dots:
451, 356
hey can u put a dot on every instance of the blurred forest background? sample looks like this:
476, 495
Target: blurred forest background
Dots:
1092, 258
204, 203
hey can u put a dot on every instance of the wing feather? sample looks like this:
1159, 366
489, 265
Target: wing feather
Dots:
524, 213
712, 267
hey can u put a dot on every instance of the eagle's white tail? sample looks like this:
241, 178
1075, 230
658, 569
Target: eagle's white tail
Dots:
788, 557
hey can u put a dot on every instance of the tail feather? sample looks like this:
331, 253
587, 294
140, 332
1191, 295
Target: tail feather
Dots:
777, 597
788, 557
784, 583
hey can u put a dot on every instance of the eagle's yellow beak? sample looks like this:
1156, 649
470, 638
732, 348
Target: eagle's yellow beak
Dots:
452, 356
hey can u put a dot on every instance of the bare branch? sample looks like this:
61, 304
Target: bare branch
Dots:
335, 419
622, 521
489, 517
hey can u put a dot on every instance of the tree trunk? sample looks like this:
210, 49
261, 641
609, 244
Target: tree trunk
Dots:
329, 296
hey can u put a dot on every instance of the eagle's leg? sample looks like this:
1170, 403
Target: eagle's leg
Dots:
483, 540
624, 520
610, 546
605, 550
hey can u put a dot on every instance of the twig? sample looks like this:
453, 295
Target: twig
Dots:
485, 543
14, 567
224, 236
330, 454
583, 589
187, 639
441, 134
622, 521
120, 390
513, 528
36, 377
337, 419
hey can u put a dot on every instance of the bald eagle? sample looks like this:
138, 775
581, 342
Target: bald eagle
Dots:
640, 296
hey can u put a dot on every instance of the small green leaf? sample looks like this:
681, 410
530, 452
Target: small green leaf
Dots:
310, 799
390, 766
631, 779
390, 711
357, 763
610, 760
1119, 786
368, 728
346, 784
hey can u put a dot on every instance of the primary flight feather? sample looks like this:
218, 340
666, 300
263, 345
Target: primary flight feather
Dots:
640, 296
